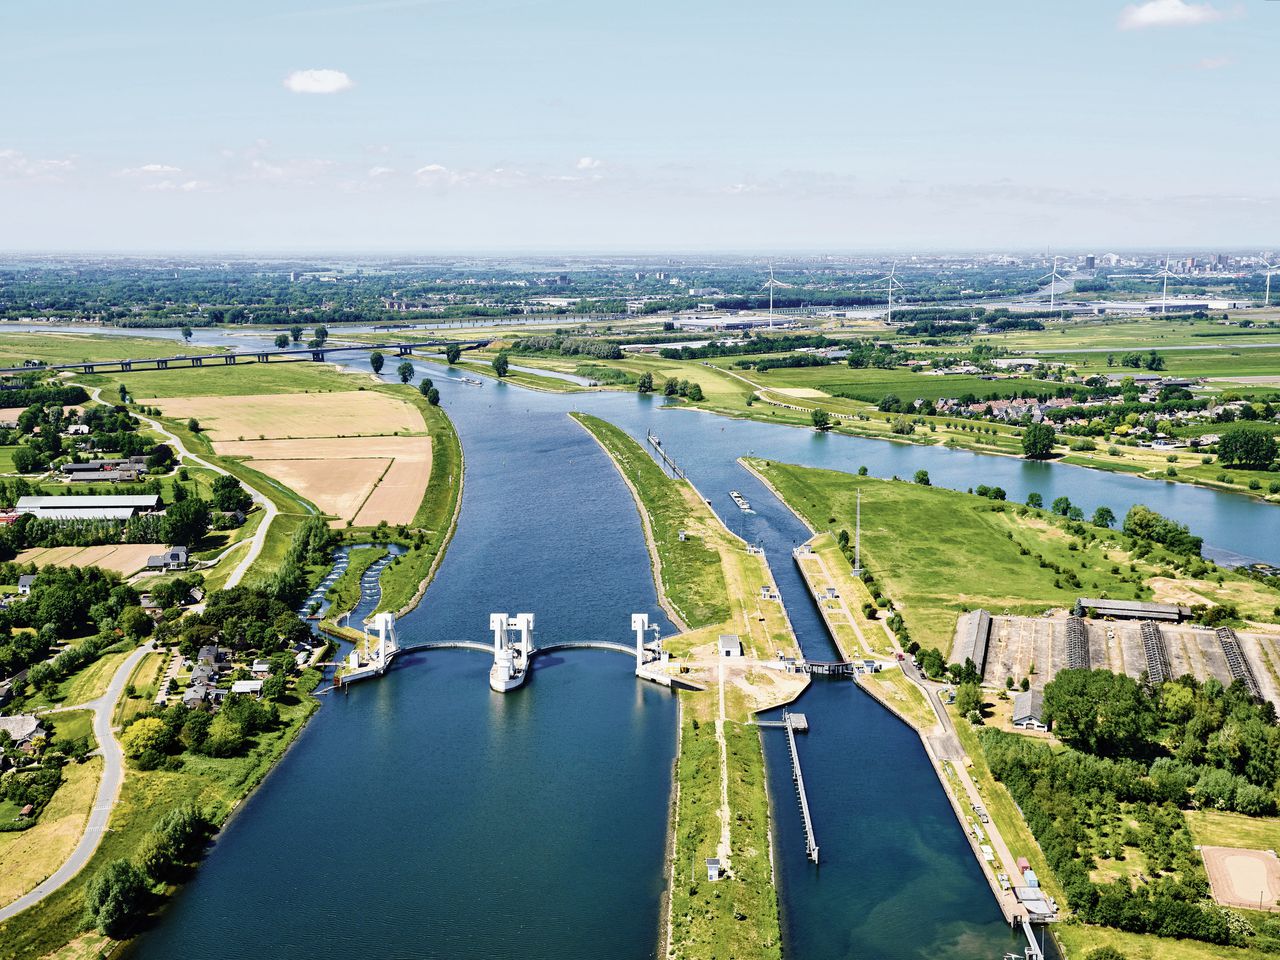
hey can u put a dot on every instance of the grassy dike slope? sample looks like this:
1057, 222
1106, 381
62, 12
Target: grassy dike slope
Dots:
720, 778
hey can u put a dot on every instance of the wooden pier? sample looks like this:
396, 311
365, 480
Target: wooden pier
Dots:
663, 455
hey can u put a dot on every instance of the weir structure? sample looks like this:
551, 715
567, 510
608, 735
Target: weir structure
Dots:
388, 645
513, 650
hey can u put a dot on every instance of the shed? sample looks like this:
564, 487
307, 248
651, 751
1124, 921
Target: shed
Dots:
730, 645
1028, 711
253, 687
714, 870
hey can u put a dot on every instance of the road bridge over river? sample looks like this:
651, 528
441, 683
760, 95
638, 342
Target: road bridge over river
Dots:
280, 355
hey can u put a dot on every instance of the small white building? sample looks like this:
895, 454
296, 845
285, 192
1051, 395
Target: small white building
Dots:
730, 645
1028, 711
252, 687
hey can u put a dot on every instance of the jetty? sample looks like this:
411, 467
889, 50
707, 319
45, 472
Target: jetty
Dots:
662, 454
795, 723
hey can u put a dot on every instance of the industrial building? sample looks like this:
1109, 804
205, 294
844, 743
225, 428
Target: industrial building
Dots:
1134, 609
98, 507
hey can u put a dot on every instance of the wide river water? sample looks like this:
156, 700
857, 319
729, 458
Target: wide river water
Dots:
421, 815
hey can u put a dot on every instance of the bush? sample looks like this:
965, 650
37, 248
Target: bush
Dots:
115, 898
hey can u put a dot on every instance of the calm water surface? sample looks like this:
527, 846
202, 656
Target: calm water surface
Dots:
423, 816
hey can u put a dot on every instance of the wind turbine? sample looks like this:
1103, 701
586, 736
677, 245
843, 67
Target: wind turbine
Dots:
1270, 268
1053, 277
771, 283
1164, 296
891, 282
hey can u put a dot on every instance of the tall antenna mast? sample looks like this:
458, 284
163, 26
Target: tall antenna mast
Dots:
857, 539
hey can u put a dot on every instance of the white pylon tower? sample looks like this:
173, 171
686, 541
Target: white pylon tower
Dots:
1054, 278
640, 624
1270, 268
857, 539
891, 282
1164, 296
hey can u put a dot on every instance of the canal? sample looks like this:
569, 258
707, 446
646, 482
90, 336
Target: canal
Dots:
423, 816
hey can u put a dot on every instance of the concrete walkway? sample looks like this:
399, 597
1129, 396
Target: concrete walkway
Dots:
108, 787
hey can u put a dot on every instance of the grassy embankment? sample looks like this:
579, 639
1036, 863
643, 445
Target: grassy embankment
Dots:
937, 551
941, 552
705, 579
54, 346
216, 785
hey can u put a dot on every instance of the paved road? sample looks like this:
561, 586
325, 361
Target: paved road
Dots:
108, 786
269, 508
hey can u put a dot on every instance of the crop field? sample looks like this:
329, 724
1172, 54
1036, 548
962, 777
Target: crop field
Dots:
56, 347
351, 414
361, 479
1128, 334
243, 379
1226, 363
124, 558
873, 385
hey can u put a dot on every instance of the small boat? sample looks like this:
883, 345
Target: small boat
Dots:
473, 381
740, 500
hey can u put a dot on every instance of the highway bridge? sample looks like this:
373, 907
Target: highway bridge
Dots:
280, 355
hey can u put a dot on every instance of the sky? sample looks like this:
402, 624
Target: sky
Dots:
451, 126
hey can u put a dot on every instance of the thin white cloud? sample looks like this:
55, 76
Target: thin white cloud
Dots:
15, 165
183, 186
378, 172
432, 170
1168, 13
317, 81
588, 163
1214, 63
151, 169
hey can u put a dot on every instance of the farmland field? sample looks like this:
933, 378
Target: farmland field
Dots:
350, 414
56, 346
224, 381
124, 558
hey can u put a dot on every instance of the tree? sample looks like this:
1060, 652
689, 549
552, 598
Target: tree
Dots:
645, 384
282, 341
229, 496
295, 332
186, 333
1105, 953
273, 686
1100, 712
124, 393
671, 387
193, 425
115, 897
922, 478
147, 733
695, 392
425, 385
433, 397
225, 737
26, 460
1103, 517
186, 522
1247, 446
968, 698
452, 353
376, 360
406, 371
500, 364
821, 419
1037, 441
136, 623
1144, 523
321, 334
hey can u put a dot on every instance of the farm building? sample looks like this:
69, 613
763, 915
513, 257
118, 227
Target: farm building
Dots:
99, 507
730, 645
1028, 711
175, 558
24, 728
1134, 609
973, 633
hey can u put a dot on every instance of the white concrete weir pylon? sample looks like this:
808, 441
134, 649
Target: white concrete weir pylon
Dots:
512, 650
640, 624
384, 625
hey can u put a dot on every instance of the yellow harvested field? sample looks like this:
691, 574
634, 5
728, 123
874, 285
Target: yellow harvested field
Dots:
355, 413
10, 414
800, 393
124, 558
361, 479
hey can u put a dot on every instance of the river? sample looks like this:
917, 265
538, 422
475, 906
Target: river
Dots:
421, 815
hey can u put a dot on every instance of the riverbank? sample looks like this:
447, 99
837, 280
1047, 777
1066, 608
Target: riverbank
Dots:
720, 801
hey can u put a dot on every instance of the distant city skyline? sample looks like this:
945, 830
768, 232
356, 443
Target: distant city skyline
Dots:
439, 126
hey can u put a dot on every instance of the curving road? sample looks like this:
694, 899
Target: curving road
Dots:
108, 787
269, 508
103, 707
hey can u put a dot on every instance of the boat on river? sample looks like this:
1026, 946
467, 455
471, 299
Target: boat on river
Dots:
741, 501
473, 381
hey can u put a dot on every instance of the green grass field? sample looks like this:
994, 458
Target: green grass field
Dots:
692, 577
1131, 333
938, 552
55, 346
223, 381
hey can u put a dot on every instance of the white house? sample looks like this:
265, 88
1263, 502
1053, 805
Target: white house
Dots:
1028, 711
